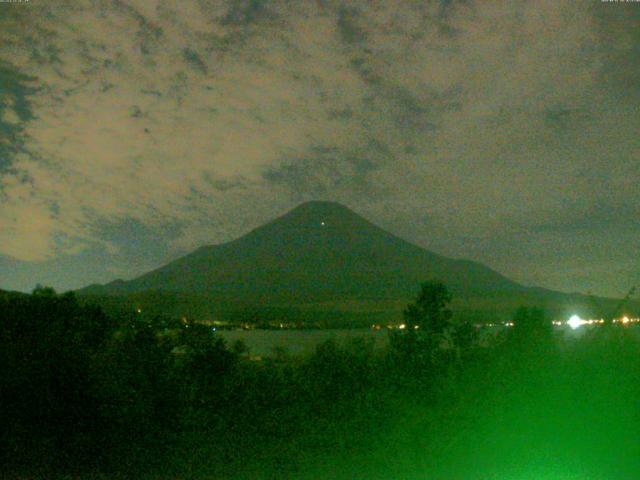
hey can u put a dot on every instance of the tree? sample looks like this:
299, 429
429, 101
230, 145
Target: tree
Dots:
430, 312
464, 336
47, 344
43, 291
417, 347
531, 327
240, 348
531, 321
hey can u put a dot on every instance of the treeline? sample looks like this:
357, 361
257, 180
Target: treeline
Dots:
96, 396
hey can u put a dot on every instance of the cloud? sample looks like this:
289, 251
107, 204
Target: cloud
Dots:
443, 120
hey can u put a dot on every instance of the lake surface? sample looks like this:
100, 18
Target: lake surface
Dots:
301, 342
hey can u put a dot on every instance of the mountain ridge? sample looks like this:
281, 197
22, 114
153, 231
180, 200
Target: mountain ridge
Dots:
314, 248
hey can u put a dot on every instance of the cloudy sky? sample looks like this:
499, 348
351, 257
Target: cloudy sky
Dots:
132, 131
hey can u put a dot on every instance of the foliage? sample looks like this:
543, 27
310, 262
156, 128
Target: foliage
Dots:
430, 312
429, 340
531, 324
47, 343
87, 394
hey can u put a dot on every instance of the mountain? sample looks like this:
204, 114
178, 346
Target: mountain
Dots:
317, 251
321, 255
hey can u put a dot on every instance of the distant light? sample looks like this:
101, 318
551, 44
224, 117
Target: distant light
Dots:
139, 310
322, 223
402, 327
575, 321
625, 320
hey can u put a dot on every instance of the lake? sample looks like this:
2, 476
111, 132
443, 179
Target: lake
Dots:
300, 342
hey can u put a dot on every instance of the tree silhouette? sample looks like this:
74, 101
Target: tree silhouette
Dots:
427, 324
430, 312
531, 321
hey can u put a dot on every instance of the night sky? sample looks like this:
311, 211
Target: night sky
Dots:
133, 131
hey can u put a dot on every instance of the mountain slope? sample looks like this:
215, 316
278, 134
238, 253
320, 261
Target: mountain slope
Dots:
319, 251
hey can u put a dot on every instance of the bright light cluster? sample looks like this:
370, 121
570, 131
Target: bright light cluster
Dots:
501, 324
402, 326
575, 321
626, 320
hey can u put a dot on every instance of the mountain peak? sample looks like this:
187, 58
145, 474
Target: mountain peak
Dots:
321, 207
312, 223
321, 213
